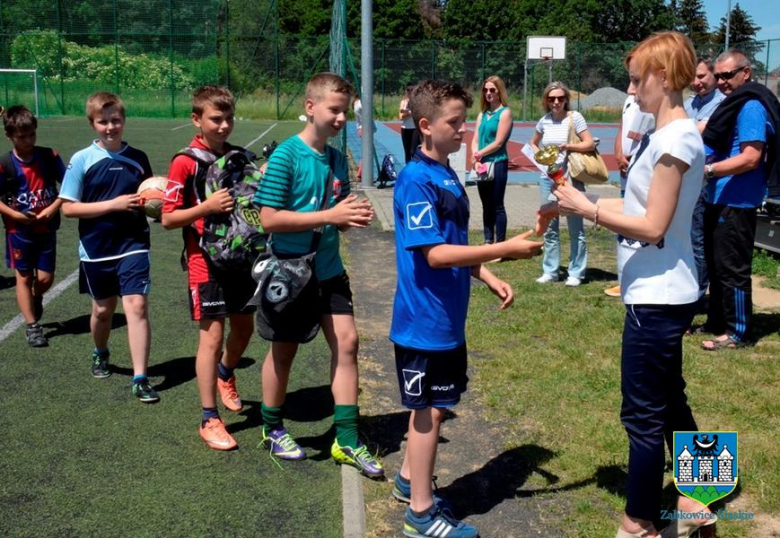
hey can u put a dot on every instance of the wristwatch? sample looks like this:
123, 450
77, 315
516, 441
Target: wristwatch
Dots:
710, 172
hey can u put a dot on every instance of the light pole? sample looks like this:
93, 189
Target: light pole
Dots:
728, 25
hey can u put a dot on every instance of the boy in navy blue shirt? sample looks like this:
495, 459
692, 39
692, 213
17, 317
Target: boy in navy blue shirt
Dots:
100, 189
435, 264
31, 213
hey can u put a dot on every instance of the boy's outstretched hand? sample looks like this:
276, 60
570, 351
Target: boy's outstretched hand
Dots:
544, 215
352, 212
520, 248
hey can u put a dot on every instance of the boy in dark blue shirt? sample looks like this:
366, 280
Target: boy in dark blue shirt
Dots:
31, 212
100, 189
435, 265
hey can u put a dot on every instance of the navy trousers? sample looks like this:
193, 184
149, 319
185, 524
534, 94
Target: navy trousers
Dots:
654, 401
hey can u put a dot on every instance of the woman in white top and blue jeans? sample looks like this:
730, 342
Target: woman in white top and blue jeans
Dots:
553, 130
657, 275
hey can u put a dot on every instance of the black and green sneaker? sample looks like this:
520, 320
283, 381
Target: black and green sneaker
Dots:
35, 337
144, 392
100, 368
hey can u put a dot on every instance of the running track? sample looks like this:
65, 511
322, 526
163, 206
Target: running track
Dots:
387, 139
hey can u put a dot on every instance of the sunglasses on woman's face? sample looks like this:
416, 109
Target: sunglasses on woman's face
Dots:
554, 99
489, 90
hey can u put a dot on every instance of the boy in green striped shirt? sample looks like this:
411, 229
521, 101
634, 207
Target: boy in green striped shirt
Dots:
300, 172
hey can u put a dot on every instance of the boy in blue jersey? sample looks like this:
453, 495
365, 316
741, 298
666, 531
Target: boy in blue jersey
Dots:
31, 212
300, 173
435, 264
100, 189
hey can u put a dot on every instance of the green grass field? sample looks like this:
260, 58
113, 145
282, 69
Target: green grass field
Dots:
550, 375
81, 457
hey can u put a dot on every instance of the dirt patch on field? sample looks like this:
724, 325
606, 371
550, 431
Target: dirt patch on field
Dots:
765, 298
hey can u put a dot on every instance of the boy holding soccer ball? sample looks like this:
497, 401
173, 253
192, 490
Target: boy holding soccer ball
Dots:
214, 294
31, 212
100, 189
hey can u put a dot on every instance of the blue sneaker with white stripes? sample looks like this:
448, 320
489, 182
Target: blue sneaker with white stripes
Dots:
402, 491
437, 521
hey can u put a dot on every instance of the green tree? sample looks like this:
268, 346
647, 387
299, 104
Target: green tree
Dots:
742, 35
629, 20
742, 29
691, 20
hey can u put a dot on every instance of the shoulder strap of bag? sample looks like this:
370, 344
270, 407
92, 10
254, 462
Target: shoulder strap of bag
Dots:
573, 138
317, 235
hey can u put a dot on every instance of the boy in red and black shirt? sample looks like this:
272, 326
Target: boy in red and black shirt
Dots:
31, 213
214, 295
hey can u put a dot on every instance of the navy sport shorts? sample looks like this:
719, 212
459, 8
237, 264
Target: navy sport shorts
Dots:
27, 252
123, 276
431, 378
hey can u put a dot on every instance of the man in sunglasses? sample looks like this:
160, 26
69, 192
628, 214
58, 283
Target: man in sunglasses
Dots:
699, 107
742, 144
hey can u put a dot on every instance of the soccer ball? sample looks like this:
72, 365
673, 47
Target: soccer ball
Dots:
152, 192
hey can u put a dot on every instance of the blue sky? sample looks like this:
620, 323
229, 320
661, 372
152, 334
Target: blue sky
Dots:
764, 16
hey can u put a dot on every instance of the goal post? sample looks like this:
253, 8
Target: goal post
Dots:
20, 87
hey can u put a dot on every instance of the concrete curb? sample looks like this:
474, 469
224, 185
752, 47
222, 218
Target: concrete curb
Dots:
353, 507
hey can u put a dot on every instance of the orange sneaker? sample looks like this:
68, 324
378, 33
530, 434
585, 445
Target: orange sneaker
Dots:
215, 435
229, 394
614, 291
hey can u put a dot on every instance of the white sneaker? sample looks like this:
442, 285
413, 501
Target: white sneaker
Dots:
573, 281
546, 279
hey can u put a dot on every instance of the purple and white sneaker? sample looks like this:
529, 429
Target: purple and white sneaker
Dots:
282, 445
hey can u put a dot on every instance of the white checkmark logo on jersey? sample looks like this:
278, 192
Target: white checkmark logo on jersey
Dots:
413, 382
419, 215
172, 193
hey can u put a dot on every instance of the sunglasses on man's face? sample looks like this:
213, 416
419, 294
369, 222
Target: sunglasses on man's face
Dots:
728, 75
489, 90
555, 98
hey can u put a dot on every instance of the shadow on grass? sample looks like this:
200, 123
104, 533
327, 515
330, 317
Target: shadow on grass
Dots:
310, 404
79, 325
501, 478
174, 372
594, 274
7, 282
385, 433
765, 324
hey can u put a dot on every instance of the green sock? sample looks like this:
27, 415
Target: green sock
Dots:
272, 417
345, 418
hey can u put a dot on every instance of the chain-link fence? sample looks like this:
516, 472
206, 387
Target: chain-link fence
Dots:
155, 52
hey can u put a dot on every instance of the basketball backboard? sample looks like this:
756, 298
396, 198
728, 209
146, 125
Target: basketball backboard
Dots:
546, 48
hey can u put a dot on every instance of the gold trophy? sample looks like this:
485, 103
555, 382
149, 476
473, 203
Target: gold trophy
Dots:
548, 155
